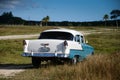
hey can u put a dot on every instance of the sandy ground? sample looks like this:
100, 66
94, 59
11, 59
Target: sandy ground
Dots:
9, 70
18, 36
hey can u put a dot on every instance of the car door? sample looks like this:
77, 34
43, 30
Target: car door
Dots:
87, 49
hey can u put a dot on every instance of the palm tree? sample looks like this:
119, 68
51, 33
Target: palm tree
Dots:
105, 17
114, 15
45, 20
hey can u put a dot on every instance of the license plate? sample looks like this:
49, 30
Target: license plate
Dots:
44, 49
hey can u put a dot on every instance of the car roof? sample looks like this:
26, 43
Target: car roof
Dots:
73, 32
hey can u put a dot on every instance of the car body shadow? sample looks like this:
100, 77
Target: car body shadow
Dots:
25, 66
16, 66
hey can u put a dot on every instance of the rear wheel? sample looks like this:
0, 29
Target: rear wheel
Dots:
36, 62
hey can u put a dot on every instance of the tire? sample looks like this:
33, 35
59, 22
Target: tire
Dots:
92, 53
36, 62
74, 61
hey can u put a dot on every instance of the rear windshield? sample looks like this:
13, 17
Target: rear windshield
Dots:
56, 35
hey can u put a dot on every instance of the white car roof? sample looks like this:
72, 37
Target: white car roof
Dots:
73, 32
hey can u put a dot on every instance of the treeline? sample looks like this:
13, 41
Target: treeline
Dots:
91, 23
9, 19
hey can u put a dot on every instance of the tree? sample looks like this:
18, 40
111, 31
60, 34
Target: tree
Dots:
114, 15
105, 17
46, 20
8, 18
42, 21
7, 14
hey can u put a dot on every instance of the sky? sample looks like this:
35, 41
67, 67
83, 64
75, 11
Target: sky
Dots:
60, 10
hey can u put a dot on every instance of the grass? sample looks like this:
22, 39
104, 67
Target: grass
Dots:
104, 65
19, 30
97, 67
105, 42
10, 51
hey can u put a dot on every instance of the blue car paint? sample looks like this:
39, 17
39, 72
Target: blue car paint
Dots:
86, 50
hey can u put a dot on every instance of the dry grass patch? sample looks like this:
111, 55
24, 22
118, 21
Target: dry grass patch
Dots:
20, 29
97, 67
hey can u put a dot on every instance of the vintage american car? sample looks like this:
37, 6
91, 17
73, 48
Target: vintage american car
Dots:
57, 45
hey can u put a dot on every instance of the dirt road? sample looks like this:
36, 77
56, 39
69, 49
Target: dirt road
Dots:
33, 35
8, 70
18, 36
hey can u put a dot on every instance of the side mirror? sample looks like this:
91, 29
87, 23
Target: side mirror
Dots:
86, 41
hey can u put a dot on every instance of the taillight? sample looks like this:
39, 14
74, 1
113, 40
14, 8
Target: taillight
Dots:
24, 42
65, 43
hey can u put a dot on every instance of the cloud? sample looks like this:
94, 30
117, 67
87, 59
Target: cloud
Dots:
20, 4
8, 4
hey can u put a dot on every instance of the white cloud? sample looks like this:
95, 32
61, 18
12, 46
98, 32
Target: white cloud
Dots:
19, 4
8, 4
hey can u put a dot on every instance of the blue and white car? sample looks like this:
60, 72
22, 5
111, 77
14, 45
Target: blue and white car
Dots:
57, 45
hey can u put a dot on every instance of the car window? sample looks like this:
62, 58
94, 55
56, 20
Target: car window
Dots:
77, 38
56, 35
82, 39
